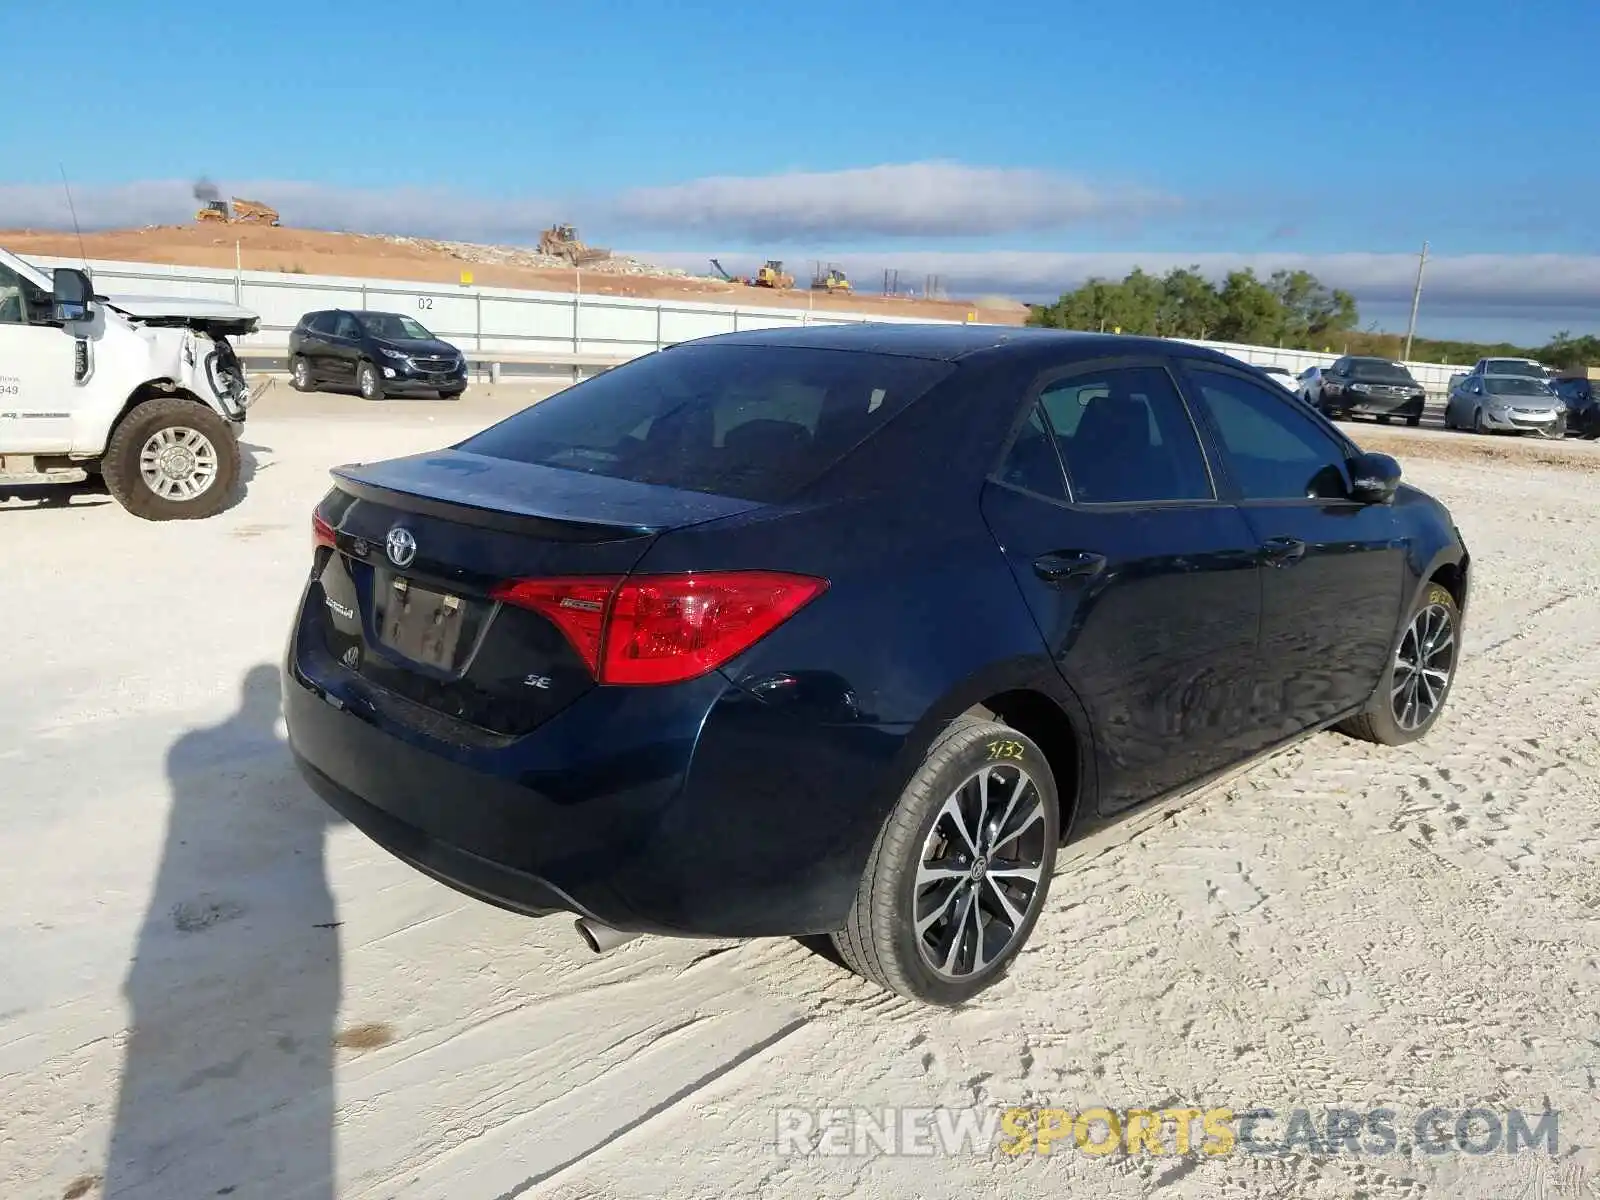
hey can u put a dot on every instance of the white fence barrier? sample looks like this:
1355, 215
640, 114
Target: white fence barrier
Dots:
558, 323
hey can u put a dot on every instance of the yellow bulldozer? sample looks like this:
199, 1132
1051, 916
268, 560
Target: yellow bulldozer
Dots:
248, 212
561, 241
832, 280
772, 275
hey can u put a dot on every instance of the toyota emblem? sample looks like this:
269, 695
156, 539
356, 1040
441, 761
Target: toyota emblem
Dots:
402, 546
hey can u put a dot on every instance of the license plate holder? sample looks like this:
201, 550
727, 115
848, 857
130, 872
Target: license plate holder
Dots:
422, 624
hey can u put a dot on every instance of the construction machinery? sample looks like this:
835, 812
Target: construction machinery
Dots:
727, 278
247, 212
561, 241
832, 280
772, 275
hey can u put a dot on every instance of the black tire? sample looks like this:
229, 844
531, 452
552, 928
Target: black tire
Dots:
368, 382
452, 394
1477, 421
125, 480
300, 377
1380, 722
1383, 418
879, 940
1413, 422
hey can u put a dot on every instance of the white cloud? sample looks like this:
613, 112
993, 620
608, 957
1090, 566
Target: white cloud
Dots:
927, 199
1510, 281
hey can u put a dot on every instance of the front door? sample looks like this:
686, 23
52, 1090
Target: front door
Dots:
1143, 584
37, 390
1333, 572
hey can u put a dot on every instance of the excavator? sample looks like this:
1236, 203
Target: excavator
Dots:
248, 212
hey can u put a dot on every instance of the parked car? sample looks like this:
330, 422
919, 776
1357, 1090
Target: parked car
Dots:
1356, 385
1582, 398
377, 353
1527, 367
701, 646
1309, 384
1281, 376
1505, 403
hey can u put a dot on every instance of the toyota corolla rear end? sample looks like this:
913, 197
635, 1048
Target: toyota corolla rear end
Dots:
490, 678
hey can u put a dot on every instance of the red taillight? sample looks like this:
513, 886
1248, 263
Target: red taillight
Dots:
575, 606
653, 629
321, 532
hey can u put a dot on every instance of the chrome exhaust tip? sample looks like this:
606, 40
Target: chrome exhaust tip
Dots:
601, 938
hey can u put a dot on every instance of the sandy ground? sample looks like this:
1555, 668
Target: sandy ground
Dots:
210, 989
314, 252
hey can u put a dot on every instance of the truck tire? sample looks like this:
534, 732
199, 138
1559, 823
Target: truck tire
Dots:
172, 459
943, 931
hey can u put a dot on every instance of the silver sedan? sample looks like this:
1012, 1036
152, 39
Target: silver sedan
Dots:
1505, 403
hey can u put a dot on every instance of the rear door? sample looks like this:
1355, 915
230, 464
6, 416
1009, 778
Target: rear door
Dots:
1334, 568
1142, 582
344, 348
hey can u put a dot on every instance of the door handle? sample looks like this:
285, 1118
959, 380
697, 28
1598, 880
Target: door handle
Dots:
1282, 551
1068, 564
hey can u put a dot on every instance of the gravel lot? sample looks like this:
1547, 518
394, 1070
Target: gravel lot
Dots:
209, 989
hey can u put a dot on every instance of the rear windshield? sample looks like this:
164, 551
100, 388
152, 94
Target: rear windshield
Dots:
1379, 371
752, 422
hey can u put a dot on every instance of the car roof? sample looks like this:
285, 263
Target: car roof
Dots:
952, 342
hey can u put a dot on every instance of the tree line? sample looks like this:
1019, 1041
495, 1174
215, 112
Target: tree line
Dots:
1292, 309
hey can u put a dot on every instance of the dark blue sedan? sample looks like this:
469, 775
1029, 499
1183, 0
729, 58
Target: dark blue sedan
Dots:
841, 630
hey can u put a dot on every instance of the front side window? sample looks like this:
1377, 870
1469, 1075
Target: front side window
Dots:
1125, 437
1275, 450
22, 302
345, 326
395, 326
753, 422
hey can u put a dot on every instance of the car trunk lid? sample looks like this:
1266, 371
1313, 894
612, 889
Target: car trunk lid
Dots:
410, 596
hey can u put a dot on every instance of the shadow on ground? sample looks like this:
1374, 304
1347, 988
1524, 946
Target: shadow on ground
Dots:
227, 1080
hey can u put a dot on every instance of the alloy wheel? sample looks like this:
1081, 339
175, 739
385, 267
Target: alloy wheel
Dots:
178, 463
1422, 667
980, 875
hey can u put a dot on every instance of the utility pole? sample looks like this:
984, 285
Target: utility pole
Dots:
1416, 299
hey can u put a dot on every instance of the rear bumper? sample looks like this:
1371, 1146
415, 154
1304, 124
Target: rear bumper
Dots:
693, 810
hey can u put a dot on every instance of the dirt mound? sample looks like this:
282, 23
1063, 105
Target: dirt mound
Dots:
369, 256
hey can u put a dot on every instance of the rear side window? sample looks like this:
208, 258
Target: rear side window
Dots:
1125, 436
753, 422
1032, 463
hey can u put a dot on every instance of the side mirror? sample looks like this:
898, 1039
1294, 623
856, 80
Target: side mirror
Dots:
1374, 478
72, 294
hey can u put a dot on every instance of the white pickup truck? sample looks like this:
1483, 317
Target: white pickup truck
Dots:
144, 391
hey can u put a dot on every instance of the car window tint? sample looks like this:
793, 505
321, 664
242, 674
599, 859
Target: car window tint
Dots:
755, 422
1126, 437
23, 302
1031, 462
1275, 450
347, 327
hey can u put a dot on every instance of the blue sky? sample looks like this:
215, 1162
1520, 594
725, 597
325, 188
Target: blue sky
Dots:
1000, 147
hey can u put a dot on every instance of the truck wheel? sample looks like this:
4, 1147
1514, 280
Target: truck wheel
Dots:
171, 460
369, 382
300, 375
960, 870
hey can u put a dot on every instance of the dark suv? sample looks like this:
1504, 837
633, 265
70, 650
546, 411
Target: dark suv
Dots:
1369, 387
1582, 397
378, 353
